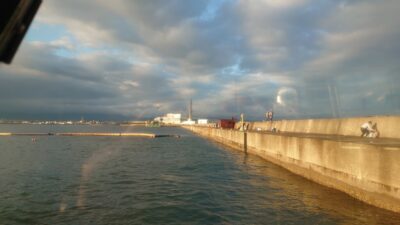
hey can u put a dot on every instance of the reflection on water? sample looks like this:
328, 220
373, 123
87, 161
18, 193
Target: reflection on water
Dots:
114, 180
88, 168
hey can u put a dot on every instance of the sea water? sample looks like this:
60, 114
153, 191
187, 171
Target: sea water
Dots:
132, 180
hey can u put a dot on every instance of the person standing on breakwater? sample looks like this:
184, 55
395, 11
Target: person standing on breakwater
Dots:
269, 115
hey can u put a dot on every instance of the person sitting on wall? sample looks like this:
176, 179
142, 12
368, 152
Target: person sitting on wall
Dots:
366, 129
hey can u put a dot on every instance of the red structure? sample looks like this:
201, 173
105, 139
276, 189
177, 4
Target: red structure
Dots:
227, 123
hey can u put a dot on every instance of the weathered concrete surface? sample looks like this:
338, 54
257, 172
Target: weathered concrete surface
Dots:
369, 172
385, 142
388, 126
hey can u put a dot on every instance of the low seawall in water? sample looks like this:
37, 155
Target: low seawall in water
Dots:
149, 135
366, 171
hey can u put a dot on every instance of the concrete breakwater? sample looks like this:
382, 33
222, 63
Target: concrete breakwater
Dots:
368, 172
387, 126
149, 135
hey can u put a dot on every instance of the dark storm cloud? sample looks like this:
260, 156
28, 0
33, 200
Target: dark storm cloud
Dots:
41, 57
91, 85
301, 58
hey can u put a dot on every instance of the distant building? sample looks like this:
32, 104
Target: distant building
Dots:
202, 121
170, 118
226, 123
189, 122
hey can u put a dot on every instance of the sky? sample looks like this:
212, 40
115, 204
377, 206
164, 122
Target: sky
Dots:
137, 59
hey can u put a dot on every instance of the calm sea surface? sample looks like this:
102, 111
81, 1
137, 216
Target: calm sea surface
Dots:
187, 180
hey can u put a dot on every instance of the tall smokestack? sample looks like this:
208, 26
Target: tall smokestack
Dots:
190, 110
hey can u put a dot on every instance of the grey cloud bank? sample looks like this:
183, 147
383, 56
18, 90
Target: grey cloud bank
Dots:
137, 59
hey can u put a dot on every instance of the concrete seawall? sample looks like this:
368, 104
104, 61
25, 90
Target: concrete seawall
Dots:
368, 172
388, 126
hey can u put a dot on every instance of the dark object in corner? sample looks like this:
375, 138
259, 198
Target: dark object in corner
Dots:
15, 19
